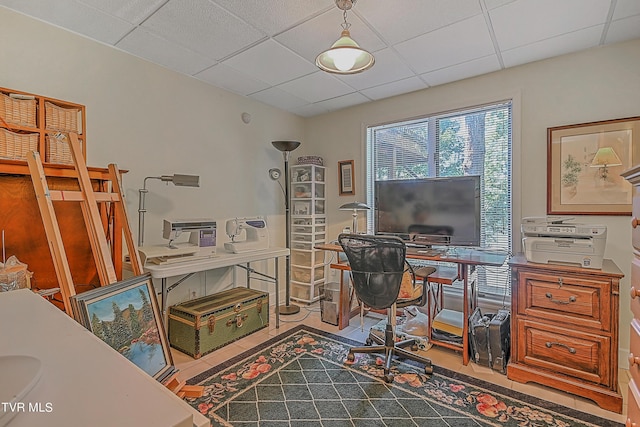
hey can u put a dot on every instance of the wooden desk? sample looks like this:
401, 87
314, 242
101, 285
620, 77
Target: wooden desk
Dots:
466, 260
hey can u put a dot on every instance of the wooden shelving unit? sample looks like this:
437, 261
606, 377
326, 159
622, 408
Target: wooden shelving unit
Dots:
30, 122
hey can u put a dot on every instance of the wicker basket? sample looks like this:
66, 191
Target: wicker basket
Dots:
14, 111
58, 149
15, 146
61, 119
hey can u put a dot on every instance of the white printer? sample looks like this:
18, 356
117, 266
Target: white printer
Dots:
552, 240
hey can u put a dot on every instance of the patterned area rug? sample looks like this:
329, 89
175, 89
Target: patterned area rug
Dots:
301, 378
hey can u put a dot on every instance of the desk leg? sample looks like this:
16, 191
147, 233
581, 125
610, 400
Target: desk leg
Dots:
248, 275
277, 281
464, 275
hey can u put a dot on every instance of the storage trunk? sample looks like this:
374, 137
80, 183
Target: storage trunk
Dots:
202, 325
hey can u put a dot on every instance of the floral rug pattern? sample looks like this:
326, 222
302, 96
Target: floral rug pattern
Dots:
485, 403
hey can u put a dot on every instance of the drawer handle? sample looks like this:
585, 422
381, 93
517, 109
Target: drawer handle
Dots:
559, 344
634, 222
633, 360
634, 292
557, 301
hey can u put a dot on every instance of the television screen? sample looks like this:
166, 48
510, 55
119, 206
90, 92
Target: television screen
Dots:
431, 211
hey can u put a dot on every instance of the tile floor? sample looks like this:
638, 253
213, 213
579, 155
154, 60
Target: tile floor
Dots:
310, 315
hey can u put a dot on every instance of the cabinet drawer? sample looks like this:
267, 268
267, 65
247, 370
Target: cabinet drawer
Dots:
634, 350
578, 301
633, 405
564, 351
635, 233
635, 288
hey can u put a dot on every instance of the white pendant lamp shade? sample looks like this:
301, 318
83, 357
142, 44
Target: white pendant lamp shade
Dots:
345, 57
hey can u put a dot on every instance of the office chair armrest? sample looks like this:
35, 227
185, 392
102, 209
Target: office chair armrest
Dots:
424, 273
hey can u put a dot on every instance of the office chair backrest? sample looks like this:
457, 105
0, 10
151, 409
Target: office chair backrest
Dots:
377, 266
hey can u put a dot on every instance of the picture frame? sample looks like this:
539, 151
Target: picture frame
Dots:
346, 180
584, 162
125, 315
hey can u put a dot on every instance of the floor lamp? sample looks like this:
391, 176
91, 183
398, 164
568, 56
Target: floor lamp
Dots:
287, 147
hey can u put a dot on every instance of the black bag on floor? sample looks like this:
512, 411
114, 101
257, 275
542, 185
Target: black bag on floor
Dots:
500, 340
490, 339
479, 337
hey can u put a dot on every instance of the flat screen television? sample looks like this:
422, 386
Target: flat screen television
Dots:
431, 211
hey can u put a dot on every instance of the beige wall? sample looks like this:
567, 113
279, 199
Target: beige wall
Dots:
152, 121
597, 84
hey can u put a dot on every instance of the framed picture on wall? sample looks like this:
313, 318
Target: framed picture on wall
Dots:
125, 315
345, 178
584, 162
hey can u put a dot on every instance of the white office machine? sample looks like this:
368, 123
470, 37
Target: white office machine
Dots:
551, 240
247, 234
201, 243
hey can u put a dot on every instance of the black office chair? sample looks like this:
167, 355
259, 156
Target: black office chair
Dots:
378, 267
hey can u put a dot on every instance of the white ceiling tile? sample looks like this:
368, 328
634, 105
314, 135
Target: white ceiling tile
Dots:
626, 8
231, 79
396, 88
278, 98
74, 16
317, 35
492, 4
462, 71
202, 26
404, 20
455, 44
388, 67
308, 110
133, 11
316, 87
284, 14
624, 29
528, 21
566, 43
149, 46
343, 101
270, 62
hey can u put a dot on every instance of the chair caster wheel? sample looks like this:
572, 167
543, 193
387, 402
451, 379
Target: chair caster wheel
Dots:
388, 378
351, 357
428, 369
369, 341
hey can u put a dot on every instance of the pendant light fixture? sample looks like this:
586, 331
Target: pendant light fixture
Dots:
345, 56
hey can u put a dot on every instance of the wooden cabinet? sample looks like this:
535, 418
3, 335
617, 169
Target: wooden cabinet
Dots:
30, 122
633, 393
564, 329
308, 229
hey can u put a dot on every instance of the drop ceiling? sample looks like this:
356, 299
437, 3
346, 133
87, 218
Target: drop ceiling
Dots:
266, 49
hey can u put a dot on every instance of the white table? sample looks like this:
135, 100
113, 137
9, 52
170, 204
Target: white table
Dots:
83, 381
222, 259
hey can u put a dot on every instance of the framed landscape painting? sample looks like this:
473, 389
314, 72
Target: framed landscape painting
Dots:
584, 163
125, 315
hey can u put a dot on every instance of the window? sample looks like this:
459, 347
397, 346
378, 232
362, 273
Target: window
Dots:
474, 141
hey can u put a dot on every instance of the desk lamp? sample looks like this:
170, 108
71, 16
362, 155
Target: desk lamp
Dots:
355, 206
177, 180
287, 147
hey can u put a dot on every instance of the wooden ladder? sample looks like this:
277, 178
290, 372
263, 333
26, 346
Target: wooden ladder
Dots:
93, 220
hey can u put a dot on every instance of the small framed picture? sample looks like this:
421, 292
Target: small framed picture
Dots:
346, 178
584, 162
125, 315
